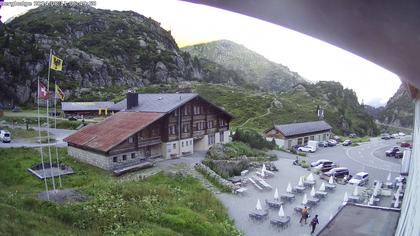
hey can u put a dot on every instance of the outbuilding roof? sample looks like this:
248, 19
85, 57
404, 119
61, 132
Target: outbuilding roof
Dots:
156, 102
302, 128
112, 131
85, 106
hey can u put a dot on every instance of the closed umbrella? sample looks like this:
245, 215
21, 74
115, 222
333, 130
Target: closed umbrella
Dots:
331, 180
322, 187
281, 211
346, 197
313, 192
371, 200
310, 177
375, 192
305, 199
397, 202
388, 179
356, 191
263, 168
276, 195
300, 181
289, 188
258, 207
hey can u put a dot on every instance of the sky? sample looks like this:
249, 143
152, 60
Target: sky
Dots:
313, 59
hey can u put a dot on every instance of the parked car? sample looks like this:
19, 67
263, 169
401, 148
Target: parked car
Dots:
337, 138
17, 109
401, 134
319, 162
307, 149
326, 166
72, 118
405, 145
361, 178
391, 152
394, 136
385, 136
332, 142
338, 172
399, 154
353, 135
347, 142
5, 136
323, 144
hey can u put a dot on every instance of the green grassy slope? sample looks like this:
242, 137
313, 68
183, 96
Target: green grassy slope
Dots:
157, 206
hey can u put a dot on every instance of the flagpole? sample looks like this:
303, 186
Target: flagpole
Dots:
41, 148
55, 127
48, 121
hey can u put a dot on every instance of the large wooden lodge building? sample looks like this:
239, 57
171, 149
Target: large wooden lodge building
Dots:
148, 126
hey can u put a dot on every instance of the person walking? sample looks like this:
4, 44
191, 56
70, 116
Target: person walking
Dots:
314, 222
304, 215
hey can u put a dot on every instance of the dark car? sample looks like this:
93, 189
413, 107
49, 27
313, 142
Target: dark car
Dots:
17, 109
332, 143
386, 136
405, 145
353, 135
72, 118
347, 143
391, 152
399, 154
339, 172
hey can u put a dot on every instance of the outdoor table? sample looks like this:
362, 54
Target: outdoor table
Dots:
299, 189
274, 203
288, 196
393, 202
330, 186
258, 214
320, 194
354, 199
313, 201
376, 201
281, 221
309, 183
388, 184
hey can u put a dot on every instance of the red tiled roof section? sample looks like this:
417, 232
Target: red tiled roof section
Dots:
112, 131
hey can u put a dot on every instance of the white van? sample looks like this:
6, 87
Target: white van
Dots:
313, 144
5, 136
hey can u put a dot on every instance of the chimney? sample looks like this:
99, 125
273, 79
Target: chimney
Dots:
132, 100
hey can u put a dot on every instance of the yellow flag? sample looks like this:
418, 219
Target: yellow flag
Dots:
56, 63
59, 93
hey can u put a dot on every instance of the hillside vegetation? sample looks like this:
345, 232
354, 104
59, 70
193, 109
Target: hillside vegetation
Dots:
159, 205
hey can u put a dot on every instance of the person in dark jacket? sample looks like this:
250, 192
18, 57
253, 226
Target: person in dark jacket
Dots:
314, 222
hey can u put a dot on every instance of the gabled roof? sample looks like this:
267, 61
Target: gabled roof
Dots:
85, 106
156, 102
302, 128
112, 131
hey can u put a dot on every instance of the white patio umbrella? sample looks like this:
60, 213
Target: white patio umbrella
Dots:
264, 169
300, 181
310, 177
397, 202
289, 188
276, 195
331, 180
356, 191
313, 192
346, 197
371, 199
305, 199
375, 192
397, 194
388, 179
281, 211
262, 173
322, 187
258, 207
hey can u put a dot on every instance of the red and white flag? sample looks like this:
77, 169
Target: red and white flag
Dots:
42, 91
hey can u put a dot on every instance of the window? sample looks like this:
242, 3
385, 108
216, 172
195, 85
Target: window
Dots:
289, 143
300, 141
211, 139
312, 137
305, 140
172, 129
174, 146
133, 155
186, 128
197, 110
175, 113
186, 110
115, 159
209, 124
182, 143
130, 140
222, 137
324, 137
190, 142
222, 123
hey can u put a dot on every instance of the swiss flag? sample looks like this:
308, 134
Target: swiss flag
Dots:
42, 91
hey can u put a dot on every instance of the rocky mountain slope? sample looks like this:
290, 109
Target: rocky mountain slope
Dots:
100, 48
399, 110
253, 67
375, 112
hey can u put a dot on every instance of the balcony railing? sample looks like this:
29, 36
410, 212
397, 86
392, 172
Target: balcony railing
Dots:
149, 141
199, 133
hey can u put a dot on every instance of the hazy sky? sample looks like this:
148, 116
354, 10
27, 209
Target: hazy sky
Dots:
313, 59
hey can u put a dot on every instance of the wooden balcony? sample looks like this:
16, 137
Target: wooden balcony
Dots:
223, 128
199, 133
185, 135
149, 141
199, 117
212, 130
186, 118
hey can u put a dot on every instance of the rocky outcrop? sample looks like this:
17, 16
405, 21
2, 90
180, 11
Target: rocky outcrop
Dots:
399, 110
100, 48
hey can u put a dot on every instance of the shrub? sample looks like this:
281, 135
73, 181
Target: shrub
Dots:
253, 138
236, 149
302, 154
273, 157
